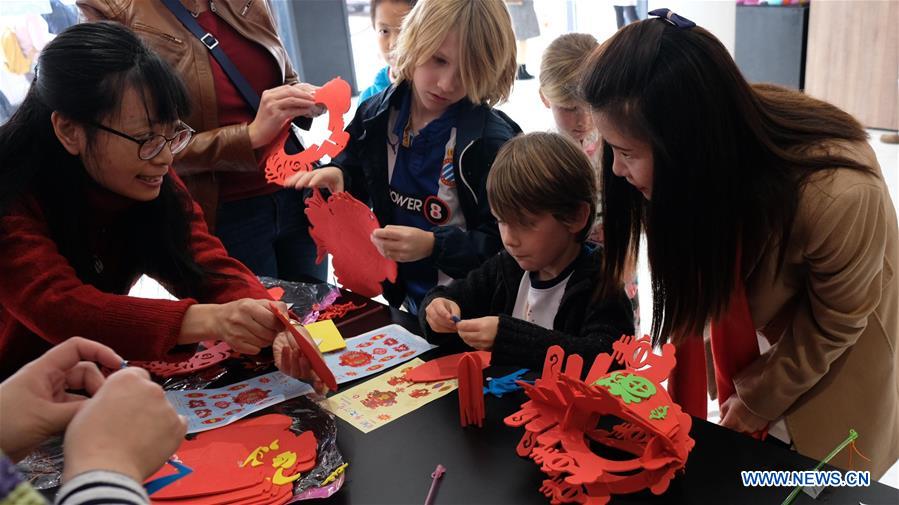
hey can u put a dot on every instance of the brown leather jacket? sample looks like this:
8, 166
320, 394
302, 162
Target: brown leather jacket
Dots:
214, 148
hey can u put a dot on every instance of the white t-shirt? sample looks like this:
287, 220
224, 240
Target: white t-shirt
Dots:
538, 301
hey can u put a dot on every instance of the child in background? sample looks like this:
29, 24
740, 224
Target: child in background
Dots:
560, 71
541, 290
386, 18
560, 74
420, 151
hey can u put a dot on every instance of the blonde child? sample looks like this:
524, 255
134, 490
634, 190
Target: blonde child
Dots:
539, 292
560, 74
387, 19
420, 150
560, 71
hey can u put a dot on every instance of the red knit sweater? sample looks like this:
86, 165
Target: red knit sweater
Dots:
43, 302
261, 70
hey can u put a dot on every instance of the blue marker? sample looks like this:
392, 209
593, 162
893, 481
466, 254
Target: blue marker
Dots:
456, 319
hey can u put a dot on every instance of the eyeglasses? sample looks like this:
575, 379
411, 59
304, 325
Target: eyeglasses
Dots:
152, 146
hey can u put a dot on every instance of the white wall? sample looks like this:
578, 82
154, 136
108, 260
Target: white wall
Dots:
716, 16
598, 17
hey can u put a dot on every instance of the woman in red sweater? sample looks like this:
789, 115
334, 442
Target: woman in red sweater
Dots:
89, 203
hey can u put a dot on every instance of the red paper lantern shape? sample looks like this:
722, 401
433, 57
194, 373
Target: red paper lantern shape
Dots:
563, 413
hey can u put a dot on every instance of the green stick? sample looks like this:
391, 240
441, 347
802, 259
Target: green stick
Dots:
852, 436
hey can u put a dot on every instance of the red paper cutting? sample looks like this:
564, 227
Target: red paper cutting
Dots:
338, 310
315, 359
199, 361
471, 390
562, 416
251, 461
342, 226
444, 368
279, 166
276, 292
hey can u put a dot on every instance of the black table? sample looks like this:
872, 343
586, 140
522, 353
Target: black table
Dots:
393, 464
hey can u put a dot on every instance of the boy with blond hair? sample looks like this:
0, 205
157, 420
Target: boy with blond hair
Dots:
541, 290
420, 151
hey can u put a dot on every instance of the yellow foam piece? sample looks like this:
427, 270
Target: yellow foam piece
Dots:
326, 335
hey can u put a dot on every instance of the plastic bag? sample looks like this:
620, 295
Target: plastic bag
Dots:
43, 467
308, 415
305, 298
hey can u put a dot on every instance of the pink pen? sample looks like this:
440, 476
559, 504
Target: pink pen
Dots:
435, 482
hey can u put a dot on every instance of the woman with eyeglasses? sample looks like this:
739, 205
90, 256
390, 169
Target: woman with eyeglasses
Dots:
260, 223
766, 215
89, 202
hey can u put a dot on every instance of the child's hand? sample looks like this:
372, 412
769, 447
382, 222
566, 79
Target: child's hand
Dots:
737, 416
277, 106
440, 314
403, 243
479, 333
291, 361
127, 427
326, 177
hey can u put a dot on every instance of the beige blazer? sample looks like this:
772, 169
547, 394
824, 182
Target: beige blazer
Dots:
834, 314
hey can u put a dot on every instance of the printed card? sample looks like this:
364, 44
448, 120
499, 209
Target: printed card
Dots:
206, 409
374, 352
375, 403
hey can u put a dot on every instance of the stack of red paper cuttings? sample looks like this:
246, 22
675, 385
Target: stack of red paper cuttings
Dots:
253, 461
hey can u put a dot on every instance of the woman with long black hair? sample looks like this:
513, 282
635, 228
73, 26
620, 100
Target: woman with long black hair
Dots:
89, 203
766, 214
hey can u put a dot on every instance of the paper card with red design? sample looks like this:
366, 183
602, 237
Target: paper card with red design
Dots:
206, 409
374, 352
375, 403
